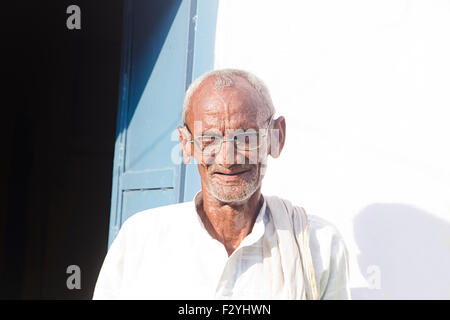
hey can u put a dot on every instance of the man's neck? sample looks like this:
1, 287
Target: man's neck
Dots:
229, 223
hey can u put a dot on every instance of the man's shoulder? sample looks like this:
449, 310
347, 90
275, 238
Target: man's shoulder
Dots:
324, 235
176, 212
318, 226
322, 227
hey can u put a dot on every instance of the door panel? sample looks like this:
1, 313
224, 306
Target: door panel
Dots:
166, 44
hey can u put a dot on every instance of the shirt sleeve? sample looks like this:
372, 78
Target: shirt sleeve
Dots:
330, 260
110, 279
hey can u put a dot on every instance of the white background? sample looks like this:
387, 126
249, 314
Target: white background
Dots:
365, 90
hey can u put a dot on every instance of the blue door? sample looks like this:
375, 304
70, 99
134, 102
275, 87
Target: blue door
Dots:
167, 44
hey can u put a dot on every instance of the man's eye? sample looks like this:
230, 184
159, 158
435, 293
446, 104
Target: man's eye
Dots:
208, 140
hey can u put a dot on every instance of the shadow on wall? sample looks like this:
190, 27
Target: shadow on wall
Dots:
404, 253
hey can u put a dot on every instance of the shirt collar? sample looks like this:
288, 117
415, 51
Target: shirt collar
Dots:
257, 230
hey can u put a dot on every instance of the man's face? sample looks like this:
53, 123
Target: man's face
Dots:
230, 175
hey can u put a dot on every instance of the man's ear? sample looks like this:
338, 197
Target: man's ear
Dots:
277, 137
186, 146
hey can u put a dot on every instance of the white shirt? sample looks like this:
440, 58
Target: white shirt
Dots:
166, 253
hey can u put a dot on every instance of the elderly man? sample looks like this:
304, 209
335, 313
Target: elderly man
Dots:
230, 241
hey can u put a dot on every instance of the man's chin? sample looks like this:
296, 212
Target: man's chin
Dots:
232, 196
232, 199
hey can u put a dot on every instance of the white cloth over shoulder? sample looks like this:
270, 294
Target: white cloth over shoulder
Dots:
166, 253
287, 258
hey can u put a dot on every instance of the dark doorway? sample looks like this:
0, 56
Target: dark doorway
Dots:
59, 125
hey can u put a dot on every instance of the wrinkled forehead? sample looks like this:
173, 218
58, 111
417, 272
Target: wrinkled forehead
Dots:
237, 107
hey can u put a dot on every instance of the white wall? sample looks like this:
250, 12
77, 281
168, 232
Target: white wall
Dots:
365, 89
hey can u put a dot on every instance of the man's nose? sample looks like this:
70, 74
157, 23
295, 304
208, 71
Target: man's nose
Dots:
227, 153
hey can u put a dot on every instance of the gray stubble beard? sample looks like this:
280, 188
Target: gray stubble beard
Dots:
252, 185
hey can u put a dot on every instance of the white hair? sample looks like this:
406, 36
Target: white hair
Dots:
225, 78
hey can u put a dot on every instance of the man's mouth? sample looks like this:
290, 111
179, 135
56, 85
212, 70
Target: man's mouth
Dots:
230, 175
